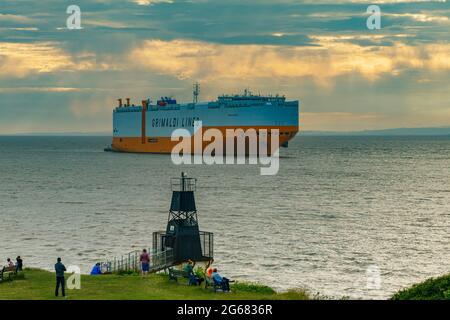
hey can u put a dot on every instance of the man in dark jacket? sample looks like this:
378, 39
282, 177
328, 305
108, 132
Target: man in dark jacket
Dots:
60, 268
19, 264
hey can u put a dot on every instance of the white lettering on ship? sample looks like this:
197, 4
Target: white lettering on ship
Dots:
174, 122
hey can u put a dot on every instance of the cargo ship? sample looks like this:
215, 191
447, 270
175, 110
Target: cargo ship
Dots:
147, 128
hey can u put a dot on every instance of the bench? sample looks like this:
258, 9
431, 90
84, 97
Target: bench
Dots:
210, 282
6, 275
214, 284
174, 274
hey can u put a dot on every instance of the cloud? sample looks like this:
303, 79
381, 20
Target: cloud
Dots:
90, 107
42, 89
21, 29
332, 57
421, 17
320, 52
21, 59
104, 23
379, 1
15, 18
339, 121
150, 2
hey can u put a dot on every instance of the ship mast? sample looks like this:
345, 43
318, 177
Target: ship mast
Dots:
196, 92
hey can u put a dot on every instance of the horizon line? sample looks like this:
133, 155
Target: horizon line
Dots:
322, 132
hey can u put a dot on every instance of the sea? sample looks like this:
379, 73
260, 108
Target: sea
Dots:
356, 217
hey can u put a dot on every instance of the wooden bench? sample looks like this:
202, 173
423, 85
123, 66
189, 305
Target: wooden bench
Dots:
174, 274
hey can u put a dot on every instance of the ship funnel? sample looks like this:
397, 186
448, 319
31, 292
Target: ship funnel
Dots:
143, 121
120, 102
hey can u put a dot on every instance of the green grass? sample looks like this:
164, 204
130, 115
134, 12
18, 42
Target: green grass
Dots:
40, 285
431, 289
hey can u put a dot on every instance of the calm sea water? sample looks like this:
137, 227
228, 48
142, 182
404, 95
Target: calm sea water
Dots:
338, 206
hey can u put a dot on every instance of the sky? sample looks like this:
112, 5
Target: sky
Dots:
346, 76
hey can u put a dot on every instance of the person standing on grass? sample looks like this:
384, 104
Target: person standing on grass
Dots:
60, 268
144, 259
19, 264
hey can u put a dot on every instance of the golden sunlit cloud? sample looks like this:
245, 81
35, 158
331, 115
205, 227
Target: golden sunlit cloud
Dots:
331, 58
149, 2
15, 18
17, 60
22, 29
44, 89
20, 59
421, 17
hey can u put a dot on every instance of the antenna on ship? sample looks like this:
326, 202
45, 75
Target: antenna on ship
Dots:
196, 92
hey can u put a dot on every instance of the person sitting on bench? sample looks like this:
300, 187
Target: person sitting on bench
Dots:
209, 269
224, 282
96, 269
10, 265
189, 269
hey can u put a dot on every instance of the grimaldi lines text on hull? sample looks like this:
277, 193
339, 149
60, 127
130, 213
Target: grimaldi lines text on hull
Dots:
148, 128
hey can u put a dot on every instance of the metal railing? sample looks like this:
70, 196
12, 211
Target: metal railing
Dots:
161, 260
183, 184
126, 262
129, 262
206, 242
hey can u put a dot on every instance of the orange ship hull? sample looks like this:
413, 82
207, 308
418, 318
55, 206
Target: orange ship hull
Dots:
165, 145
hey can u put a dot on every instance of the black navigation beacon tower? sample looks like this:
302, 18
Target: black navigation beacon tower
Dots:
182, 234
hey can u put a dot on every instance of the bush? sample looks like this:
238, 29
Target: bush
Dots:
300, 294
252, 287
200, 273
431, 289
127, 272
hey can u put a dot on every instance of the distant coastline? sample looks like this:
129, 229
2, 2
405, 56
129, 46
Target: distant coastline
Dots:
440, 131
58, 134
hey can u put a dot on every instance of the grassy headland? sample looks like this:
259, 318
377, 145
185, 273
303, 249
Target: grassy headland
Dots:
40, 285
430, 289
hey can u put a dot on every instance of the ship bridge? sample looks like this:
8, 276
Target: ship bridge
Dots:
248, 96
